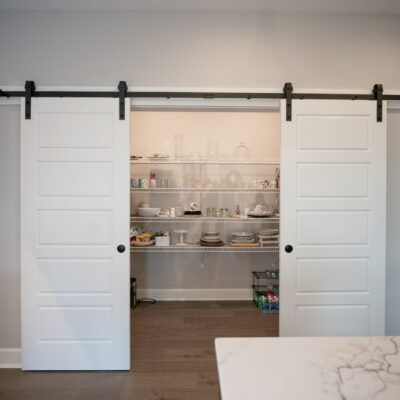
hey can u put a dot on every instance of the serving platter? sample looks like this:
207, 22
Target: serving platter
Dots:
142, 244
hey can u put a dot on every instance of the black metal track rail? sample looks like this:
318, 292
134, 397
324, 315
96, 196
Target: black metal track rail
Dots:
57, 93
200, 95
287, 93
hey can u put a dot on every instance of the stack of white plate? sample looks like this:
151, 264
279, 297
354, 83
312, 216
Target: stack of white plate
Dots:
211, 239
242, 237
268, 236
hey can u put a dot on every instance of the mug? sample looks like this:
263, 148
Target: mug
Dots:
193, 206
145, 183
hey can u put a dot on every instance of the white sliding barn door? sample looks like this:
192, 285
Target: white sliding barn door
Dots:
74, 214
333, 214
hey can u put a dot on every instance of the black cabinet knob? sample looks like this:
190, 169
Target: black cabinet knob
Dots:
121, 248
288, 248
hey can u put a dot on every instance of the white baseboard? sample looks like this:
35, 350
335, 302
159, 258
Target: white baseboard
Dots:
10, 358
195, 294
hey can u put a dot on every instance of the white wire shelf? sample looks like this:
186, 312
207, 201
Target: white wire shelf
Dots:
203, 190
228, 161
192, 248
246, 220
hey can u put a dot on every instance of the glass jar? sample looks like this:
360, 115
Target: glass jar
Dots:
241, 151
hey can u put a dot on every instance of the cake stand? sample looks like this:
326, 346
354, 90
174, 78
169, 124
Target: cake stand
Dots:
181, 233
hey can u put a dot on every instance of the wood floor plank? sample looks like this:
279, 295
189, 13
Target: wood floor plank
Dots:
174, 366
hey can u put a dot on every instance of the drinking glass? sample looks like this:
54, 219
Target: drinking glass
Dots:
212, 148
178, 146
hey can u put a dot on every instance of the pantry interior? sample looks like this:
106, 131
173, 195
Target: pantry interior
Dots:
223, 163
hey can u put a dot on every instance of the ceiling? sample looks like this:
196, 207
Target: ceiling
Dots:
272, 6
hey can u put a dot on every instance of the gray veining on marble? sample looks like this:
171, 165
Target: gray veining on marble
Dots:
366, 368
362, 368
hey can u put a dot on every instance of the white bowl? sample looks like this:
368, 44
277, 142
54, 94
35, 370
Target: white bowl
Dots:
148, 211
211, 234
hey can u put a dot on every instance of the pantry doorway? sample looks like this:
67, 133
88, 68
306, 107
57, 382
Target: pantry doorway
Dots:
206, 177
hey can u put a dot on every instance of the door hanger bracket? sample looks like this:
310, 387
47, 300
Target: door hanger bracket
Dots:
378, 94
122, 88
29, 91
287, 92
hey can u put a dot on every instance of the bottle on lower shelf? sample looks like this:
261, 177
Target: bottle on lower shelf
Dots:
266, 294
266, 301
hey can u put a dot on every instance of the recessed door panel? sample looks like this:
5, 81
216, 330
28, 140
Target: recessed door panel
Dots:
87, 324
332, 132
332, 180
332, 320
332, 228
74, 179
332, 275
75, 130
74, 227
75, 276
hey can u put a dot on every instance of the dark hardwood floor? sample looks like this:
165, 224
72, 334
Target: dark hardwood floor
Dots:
173, 356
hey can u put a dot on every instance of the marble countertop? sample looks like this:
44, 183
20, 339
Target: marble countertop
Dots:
312, 368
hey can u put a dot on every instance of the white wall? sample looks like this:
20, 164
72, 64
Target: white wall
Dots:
154, 130
187, 50
199, 49
9, 228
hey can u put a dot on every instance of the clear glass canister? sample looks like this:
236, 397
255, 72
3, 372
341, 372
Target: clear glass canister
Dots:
241, 151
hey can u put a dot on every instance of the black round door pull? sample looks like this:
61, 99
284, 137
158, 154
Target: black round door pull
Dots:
121, 248
288, 248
